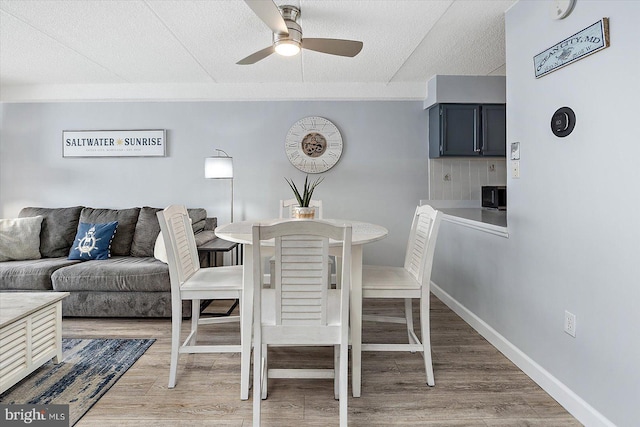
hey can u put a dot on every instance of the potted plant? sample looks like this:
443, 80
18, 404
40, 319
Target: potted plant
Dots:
303, 210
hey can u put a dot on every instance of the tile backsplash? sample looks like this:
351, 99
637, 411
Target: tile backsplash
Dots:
462, 179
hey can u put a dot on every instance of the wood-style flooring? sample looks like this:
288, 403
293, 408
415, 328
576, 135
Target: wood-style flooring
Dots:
475, 384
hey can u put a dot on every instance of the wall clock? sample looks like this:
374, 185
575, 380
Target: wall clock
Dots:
313, 144
560, 9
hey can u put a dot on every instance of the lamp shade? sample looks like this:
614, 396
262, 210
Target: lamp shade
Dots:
218, 167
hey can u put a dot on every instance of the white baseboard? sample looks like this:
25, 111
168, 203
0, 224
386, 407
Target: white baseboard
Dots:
573, 403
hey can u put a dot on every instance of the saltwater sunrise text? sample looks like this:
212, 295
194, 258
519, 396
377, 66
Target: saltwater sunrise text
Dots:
110, 142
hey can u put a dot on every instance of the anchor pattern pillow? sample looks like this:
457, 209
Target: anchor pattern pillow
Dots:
93, 241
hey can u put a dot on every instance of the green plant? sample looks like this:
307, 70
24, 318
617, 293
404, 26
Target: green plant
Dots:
305, 198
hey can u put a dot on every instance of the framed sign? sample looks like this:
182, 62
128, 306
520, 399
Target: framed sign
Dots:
583, 43
114, 143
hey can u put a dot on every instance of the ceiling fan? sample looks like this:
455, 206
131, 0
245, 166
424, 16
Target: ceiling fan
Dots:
287, 34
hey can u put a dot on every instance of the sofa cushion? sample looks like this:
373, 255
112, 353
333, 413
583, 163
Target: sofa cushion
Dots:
20, 238
127, 219
147, 230
58, 229
198, 219
120, 304
204, 236
160, 250
93, 241
33, 275
117, 274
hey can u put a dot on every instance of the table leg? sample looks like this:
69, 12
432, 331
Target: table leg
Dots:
356, 319
58, 357
246, 323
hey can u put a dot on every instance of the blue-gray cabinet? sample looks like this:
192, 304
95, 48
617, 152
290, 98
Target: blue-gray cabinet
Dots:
467, 130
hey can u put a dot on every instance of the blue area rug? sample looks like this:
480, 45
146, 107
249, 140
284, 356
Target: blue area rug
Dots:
89, 368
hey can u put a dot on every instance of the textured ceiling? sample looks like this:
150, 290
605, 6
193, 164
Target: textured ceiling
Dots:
162, 49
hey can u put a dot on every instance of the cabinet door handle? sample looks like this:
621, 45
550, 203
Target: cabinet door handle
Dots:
476, 147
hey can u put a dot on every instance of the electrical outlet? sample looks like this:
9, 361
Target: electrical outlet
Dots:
570, 323
515, 168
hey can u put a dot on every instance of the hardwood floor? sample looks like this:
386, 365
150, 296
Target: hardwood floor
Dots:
475, 384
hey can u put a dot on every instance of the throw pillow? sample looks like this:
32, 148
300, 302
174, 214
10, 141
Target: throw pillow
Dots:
198, 218
20, 238
59, 228
93, 241
160, 250
126, 218
147, 229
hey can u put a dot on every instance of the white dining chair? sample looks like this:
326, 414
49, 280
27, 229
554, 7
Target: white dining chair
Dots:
286, 211
190, 282
407, 282
300, 310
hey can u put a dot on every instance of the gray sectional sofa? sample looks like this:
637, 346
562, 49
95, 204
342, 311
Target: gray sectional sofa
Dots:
131, 283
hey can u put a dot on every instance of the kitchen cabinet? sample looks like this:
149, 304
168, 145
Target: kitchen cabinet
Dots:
467, 130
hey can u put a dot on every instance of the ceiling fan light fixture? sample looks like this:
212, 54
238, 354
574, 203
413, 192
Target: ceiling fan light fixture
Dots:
289, 42
287, 47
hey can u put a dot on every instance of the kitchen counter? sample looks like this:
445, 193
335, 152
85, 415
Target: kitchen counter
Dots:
486, 216
468, 215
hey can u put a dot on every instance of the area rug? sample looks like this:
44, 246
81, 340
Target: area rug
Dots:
89, 368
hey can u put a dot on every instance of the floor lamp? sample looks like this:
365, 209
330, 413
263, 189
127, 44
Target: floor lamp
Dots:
220, 167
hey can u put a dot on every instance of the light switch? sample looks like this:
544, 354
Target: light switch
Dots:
515, 169
515, 151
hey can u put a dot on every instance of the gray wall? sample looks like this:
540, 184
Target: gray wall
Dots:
465, 90
573, 214
380, 177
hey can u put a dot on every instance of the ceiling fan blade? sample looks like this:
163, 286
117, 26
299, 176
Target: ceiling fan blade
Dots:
256, 56
270, 15
333, 46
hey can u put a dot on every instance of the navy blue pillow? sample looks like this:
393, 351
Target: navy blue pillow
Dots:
93, 241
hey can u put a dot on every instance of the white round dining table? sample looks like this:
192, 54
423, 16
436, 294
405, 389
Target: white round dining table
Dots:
362, 233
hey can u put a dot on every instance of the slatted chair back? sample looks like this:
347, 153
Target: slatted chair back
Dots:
301, 291
301, 256
286, 207
180, 244
422, 243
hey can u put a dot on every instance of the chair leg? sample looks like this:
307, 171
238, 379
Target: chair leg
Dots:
195, 318
336, 372
265, 371
257, 384
425, 335
245, 343
344, 397
176, 325
408, 314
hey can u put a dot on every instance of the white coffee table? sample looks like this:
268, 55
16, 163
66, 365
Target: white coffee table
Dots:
30, 333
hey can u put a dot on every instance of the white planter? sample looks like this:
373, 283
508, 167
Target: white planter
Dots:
304, 213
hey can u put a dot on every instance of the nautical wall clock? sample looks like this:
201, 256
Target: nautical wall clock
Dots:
313, 144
